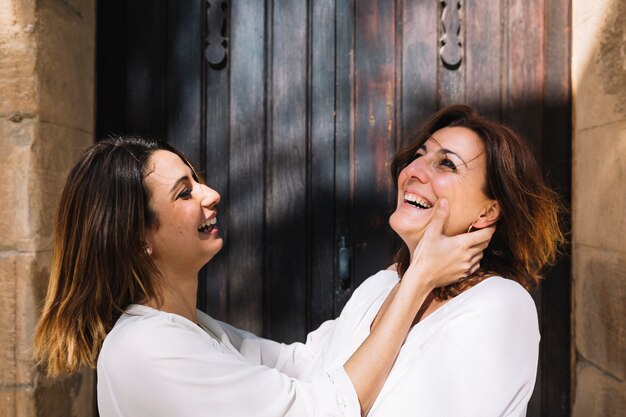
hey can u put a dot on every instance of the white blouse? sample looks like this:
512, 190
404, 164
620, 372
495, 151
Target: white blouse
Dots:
155, 364
474, 356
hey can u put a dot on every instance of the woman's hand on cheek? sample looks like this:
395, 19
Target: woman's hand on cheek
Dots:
439, 260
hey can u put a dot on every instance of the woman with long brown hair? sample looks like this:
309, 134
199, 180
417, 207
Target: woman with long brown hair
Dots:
135, 224
473, 346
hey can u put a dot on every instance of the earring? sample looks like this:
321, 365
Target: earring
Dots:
148, 250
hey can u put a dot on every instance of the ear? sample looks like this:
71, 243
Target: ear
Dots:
488, 216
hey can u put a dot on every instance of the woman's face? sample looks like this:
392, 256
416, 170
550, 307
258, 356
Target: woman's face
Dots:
451, 164
186, 236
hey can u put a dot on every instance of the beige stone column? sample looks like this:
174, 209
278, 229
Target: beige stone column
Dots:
47, 72
599, 206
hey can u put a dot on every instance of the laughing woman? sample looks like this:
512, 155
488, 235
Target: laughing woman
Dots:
473, 347
134, 227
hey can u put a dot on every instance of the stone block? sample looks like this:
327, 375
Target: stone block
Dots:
597, 395
25, 402
35, 161
7, 328
21, 279
56, 151
17, 58
598, 70
17, 402
66, 63
598, 199
599, 294
15, 162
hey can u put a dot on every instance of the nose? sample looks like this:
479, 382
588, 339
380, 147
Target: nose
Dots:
419, 169
209, 197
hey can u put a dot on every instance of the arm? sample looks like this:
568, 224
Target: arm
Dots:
296, 360
437, 261
164, 366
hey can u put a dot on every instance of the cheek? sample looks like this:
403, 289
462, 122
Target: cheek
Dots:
445, 186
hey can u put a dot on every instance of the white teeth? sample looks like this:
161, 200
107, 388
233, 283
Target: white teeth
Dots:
208, 224
416, 201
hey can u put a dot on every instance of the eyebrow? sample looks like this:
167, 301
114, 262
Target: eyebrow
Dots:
444, 150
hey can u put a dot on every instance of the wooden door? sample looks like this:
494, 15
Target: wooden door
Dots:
294, 109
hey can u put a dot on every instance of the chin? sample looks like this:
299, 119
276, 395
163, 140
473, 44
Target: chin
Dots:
410, 232
214, 250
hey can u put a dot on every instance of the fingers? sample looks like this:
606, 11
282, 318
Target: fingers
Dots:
474, 269
478, 238
440, 216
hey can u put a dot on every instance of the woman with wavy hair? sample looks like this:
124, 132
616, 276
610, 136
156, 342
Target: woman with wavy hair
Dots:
134, 227
473, 346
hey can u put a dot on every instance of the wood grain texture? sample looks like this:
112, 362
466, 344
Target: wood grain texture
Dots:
184, 92
555, 365
524, 78
286, 199
374, 135
483, 62
321, 226
145, 69
419, 63
246, 170
344, 138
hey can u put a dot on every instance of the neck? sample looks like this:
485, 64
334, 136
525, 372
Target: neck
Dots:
179, 294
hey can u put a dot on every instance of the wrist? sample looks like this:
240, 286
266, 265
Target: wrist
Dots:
419, 277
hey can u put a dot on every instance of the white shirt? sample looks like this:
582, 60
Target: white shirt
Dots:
474, 356
155, 364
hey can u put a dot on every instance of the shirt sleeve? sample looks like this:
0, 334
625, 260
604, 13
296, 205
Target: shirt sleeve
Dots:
296, 360
162, 368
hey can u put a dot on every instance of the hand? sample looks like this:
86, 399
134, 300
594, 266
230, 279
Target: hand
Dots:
439, 260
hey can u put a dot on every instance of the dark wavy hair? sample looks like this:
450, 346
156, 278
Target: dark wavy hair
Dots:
528, 233
99, 264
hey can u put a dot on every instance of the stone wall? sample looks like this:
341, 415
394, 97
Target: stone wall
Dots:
599, 206
47, 71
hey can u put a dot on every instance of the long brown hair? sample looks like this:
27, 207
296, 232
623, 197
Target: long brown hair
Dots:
528, 233
99, 264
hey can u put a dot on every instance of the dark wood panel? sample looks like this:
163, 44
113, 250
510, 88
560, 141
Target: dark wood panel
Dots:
321, 226
420, 56
111, 69
374, 135
522, 101
215, 149
184, 89
145, 68
451, 74
286, 199
556, 352
525, 67
246, 171
483, 62
344, 137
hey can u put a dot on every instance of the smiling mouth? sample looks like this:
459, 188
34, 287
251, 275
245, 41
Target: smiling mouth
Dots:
208, 225
416, 201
